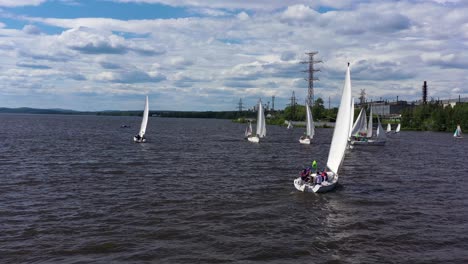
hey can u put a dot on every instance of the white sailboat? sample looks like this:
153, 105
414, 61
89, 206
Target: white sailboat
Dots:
248, 130
397, 130
140, 137
458, 132
261, 125
389, 128
360, 126
310, 128
370, 124
337, 147
289, 125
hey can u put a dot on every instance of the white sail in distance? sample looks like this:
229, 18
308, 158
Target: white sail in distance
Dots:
310, 131
144, 121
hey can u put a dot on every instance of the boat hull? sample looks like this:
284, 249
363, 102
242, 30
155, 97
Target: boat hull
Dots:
304, 141
253, 139
368, 143
326, 186
141, 140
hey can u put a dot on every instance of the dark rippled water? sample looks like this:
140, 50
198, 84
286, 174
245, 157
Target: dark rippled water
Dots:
76, 189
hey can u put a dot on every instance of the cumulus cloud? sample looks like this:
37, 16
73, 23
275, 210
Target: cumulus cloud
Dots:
130, 76
247, 49
32, 65
17, 3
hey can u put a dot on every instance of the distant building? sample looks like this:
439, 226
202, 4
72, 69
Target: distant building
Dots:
388, 109
453, 102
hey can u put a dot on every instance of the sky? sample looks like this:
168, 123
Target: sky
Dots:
206, 55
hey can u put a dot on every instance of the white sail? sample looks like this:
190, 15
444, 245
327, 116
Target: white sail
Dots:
351, 118
360, 126
144, 122
389, 128
261, 124
380, 132
370, 124
341, 131
248, 130
290, 125
458, 132
310, 131
397, 130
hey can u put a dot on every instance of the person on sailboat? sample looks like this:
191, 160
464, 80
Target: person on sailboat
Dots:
314, 166
305, 175
324, 174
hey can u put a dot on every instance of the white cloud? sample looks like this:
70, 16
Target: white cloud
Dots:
242, 49
16, 3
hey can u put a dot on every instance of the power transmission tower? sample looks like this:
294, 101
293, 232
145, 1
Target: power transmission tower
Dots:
240, 105
424, 95
293, 105
273, 103
311, 78
362, 97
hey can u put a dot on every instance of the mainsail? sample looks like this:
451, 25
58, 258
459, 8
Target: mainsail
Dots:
310, 131
261, 124
351, 118
369, 126
360, 126
380, 132
341, 131
144, 122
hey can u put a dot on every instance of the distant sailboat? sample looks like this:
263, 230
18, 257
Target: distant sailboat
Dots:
140, 137
389, 128
337, 147
360, 126
310, 128
397, 130
261, 125
289, 125
458, 132
248, 130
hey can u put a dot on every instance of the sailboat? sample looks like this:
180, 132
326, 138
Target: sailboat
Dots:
337, 147
261, 125
397, 130
349, 146
140, 137
389, 128
289, 125
360, 126
310, 128
458, 132
248, 130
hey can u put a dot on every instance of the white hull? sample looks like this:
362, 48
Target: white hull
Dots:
326, 186
304, 141
141, 140
368, 142
253, 139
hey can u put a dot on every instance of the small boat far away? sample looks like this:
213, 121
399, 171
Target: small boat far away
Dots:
389, 128
397, 130
289, 125
261, 125
458, 132
140, 137
310, 128
315, 183
248, 130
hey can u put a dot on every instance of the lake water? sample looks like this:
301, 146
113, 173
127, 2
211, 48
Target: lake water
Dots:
76, 189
